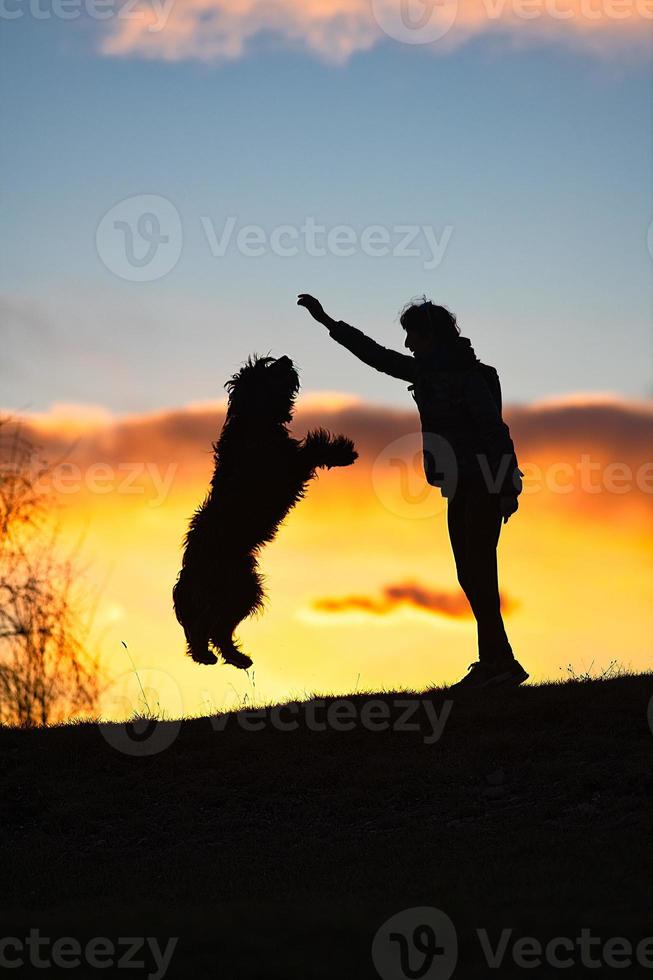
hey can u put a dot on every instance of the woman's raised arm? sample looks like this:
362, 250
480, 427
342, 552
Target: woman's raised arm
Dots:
367, 350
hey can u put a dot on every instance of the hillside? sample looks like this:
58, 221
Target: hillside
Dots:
279, 854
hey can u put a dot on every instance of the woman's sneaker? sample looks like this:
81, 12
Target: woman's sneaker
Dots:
504, 673
477, 676
508, 673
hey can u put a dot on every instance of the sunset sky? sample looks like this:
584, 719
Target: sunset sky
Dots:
362, 592
164, 167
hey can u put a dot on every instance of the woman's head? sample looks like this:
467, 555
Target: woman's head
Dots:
428, 327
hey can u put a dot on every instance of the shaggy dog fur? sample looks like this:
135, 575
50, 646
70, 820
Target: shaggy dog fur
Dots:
260, 474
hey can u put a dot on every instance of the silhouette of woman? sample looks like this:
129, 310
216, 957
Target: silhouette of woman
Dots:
459, 402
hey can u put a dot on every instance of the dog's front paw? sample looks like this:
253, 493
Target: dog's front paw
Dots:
342, 452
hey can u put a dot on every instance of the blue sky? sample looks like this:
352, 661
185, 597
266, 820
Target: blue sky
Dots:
536, 157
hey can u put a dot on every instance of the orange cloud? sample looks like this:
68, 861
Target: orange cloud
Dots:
334, 30
590, 453
574, 562
393, 597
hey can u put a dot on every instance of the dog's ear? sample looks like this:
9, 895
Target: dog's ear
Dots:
244, 387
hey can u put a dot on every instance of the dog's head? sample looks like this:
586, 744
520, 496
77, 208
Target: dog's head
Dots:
264, 388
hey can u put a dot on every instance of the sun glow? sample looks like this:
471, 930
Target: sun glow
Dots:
344, 541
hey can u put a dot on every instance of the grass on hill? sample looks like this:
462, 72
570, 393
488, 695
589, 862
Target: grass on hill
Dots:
279, 853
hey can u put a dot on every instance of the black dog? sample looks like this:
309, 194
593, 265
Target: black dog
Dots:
260, 474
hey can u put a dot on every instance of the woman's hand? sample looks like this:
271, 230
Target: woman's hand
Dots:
313, 306
508, 505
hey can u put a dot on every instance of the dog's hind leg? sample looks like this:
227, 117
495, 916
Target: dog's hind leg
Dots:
189, 615
246, 596
198, 649
231, 654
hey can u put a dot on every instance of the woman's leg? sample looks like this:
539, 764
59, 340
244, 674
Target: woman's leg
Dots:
474, 524
458, 525
483, 521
